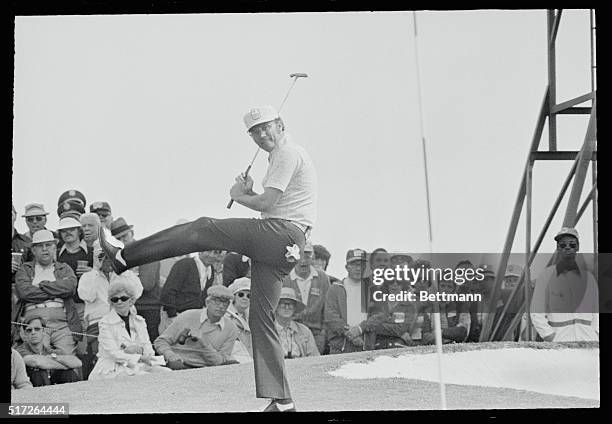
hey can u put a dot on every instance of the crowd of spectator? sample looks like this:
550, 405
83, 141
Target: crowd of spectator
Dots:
74, 319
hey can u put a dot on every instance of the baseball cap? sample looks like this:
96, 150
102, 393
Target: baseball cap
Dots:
259, 115
567, 231
43, 236
220, 291
99, 206
289, 293
487, 270
355, 255
513, 271
34, 209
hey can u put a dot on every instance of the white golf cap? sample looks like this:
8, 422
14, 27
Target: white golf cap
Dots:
68, 222
259, 115
43, 236
240, 284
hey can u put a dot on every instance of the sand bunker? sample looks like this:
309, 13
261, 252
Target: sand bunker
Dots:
561, 372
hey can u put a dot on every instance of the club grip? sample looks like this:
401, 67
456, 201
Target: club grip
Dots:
231, 202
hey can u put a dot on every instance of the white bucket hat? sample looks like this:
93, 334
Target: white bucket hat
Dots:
43, 236
68, 222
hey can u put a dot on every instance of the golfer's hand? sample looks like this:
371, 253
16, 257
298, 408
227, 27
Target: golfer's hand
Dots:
238, 189
248, 182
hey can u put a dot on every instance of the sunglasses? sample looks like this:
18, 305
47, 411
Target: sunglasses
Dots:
35, 218
103, 214
33, 329
122, 298
243, 294
564, 245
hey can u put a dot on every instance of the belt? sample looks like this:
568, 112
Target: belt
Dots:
55, 303
303, 228
569, 322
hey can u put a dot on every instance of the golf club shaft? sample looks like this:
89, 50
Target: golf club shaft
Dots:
246, 173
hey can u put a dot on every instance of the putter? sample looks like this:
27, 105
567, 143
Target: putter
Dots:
246, 173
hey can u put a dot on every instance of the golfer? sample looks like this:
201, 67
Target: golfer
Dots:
274, 243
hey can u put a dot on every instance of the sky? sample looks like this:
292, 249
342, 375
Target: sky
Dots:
145, 112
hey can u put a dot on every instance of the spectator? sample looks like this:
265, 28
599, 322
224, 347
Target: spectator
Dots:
479, 311
379, 258
124, 345
311, 285
564, 307
167, 264
422, 308
187, 285
296, 339
71, 203
45, 365
36, 219
401, 259
389, 321
47, 288
148, 305
94, 290
235, 266
454, 319
90, 222
238, 312
20, 252
19, 377
103, 210
321, 260
201, 337
512, 277
74, 254
343, 306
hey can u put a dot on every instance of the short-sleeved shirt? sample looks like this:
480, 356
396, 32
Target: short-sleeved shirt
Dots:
291, 171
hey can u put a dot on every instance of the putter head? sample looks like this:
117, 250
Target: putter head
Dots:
298, 75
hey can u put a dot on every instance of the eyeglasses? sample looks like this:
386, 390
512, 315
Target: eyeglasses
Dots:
243, 294
220, 301
285, 304
259, 128
122, 298
35, 218
563, 245
33, 329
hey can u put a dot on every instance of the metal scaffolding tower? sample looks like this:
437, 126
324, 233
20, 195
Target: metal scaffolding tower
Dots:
495, 327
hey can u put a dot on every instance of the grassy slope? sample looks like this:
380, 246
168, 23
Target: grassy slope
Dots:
231, 389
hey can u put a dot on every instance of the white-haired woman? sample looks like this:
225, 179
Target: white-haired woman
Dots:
124, 345
238, 312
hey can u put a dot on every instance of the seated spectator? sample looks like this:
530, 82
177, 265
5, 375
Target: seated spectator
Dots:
454, 319
36, 219
94, 290
321, 260
296, 339
19, 376
148, 305
379, 258
20, 253
238, 312
124, 345
44, 364
479, 311
343, 306
415, 336
46, 288
401, 259
311, 285
389, 321
187, 285
201, 337
103, 210
235, 266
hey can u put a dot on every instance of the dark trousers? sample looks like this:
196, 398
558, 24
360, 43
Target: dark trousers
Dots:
40, 377
91, 357
265, 241
152, 317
